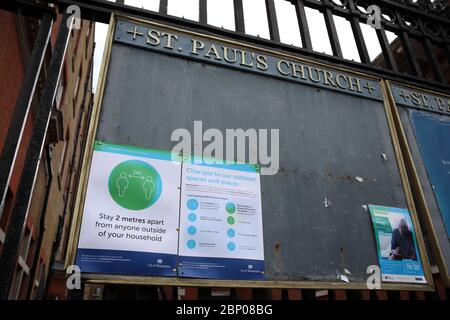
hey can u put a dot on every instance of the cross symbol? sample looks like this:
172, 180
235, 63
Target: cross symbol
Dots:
404, 96
135, 32
369, 87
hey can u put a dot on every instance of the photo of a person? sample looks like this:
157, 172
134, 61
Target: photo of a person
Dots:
402, 243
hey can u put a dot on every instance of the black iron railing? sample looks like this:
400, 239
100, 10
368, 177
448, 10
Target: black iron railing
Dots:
418, 54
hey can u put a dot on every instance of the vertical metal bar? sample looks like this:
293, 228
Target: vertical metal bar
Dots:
332, 33
239, 16
407, 48
303, 24
432, 60
386, 48
359, 38
163, 7
447, 51
272, 19
20, 114
11, 246
446, 48
203, 14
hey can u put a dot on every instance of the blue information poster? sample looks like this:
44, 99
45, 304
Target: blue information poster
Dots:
433, 135
398, 254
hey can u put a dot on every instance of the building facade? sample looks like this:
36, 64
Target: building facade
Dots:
45, 232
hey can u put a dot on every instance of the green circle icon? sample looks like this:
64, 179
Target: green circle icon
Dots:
230, 207
230, 220
134, 185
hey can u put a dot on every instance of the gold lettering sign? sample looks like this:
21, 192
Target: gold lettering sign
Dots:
422, 100
247, 59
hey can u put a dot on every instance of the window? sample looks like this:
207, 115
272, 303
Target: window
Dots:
74, 104
18, 287
16, 283
27, 238
86, 44
60, 91
62, 162
2, 237
77, 84
48, 160
5, 215
39, 280
73, 63
88, 29
76, 91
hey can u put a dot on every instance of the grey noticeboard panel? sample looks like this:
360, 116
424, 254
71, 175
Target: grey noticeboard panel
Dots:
314, 216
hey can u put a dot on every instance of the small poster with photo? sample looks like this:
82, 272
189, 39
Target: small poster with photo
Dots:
397, 249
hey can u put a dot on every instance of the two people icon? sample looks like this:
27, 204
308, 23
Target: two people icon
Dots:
123, 183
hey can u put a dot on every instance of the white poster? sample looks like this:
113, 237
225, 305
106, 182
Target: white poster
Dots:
131, 212
221, 232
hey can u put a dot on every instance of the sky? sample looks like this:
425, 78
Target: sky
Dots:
220, 14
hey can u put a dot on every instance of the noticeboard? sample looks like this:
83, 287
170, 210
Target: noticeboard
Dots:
424, 118
337, 153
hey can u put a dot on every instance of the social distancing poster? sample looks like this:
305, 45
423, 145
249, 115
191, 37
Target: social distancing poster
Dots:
147, 213
131, 211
